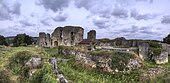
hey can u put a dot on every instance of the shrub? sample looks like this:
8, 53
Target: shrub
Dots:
120, 60
156, 51
154, 44
17, 62
45, 75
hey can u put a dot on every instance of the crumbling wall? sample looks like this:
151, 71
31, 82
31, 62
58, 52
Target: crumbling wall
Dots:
102, 61
143, 50
118, 42
91, 35
68, 35
44, 40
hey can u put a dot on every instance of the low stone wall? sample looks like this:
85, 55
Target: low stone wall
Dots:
101, 62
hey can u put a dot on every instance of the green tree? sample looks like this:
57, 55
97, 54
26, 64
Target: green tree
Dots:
22, 40
167, 39
2, 40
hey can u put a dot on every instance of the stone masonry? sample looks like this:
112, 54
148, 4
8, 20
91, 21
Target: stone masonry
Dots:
44, 40
91, 35
67, 36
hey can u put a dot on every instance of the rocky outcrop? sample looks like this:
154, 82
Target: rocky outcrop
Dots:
34, 62
162, 58
166, 47
101, 62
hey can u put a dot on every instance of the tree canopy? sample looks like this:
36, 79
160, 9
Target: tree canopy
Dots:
167, 39
22, 40
2, 40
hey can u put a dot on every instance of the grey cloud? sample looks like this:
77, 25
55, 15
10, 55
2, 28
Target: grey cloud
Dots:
132, 29
87, 4
16, 8
146, 30
140, 30
120, 12
25, 23
54, 5
60, 17
8, 8
151, 1
101, 23
138, 16
45, 22
166, 19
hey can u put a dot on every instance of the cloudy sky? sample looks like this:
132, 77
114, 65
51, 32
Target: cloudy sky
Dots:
141, 19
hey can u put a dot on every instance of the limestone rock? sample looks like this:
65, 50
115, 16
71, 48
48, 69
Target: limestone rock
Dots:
134, 64
34, 62
151, 73
162, 58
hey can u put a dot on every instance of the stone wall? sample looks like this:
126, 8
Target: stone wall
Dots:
44, 40
102, 62
118, 42
68, 35
143, 50
91, 35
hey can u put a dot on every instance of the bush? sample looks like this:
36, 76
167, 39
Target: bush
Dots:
153, 44
156, 51
120, 60
2, 40
17, 62
22, 40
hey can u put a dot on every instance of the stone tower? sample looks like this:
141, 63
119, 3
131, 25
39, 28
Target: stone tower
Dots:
48, 40
67, 36
44, 40
91, 35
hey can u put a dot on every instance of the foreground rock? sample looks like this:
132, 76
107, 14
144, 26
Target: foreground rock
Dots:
34, 62
162, 58
61, 78
151, 73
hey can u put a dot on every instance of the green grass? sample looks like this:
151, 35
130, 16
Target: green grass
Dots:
78, 74
14, 56
73, 71
44, 75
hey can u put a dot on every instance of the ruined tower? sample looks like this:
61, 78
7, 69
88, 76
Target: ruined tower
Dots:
48, 40
67, 36
91, 35
44, 40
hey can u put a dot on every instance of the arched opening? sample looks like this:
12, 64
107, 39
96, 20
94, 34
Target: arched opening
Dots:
55, 43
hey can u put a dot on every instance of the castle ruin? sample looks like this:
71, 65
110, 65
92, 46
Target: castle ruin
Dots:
66, 36
91, 35
44, 40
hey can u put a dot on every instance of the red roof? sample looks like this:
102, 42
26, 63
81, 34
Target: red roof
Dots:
85, 41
